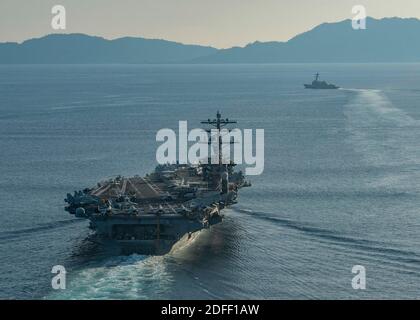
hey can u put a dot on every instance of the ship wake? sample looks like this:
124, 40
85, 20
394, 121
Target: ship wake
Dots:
122, 277
378, 252
28, 232
382, 134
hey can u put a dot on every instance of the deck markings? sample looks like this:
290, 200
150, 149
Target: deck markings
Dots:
104, 188
124, 186
150, 186
135, 189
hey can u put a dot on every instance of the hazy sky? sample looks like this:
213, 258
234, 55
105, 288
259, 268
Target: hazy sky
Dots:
219, 23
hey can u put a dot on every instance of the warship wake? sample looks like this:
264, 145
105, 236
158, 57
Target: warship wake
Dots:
149, 215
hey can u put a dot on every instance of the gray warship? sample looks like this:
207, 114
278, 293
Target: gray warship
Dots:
317, 84
151, 214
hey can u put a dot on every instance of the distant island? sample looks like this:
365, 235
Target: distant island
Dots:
384, 40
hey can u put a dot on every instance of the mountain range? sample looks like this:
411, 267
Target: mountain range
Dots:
384, 40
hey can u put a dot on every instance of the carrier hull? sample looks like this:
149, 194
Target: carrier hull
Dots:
127, 236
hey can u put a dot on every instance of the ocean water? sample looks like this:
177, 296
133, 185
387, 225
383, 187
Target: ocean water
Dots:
341, 185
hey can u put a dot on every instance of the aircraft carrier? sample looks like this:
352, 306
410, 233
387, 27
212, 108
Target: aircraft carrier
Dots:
149, 215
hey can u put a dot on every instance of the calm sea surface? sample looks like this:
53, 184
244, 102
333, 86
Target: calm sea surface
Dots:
341, 185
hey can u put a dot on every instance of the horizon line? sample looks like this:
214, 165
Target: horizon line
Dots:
201, 45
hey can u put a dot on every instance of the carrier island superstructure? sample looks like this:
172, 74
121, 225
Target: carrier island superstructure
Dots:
149, 215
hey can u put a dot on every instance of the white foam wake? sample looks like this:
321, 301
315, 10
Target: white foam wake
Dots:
382, 133
132, 277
